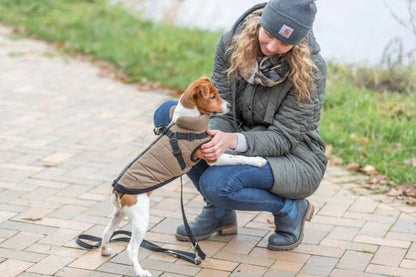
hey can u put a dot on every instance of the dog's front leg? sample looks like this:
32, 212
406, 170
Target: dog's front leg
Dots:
229, 159
139, 218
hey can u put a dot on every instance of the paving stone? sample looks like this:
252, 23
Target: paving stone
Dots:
287, 266
67, 212
71, 272
211, 263
186, 270
374, 229
241, 258
321, 250
370, 217
405, 224
208, 273
354, 261
50, 265
382, 241
411, 254
390, 271
319, 265
350, 245
338, 221
21, 255
21, 241
48, 249
389, 256
343, 233
364, 205
246, 270
348, 273
241, 244
411, 264
272, 272
13, 267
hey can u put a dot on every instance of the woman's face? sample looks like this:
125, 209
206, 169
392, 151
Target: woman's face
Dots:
270, 45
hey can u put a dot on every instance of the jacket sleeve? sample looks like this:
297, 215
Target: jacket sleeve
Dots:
293, 119
230, 121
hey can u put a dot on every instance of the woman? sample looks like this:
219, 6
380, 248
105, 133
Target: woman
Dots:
268, 67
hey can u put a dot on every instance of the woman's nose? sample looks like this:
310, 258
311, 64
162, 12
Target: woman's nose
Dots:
272, 46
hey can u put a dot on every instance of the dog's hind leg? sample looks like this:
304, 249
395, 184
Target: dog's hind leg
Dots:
139, 218
117, 217
109, 230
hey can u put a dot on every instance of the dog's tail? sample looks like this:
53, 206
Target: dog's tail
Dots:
116, 200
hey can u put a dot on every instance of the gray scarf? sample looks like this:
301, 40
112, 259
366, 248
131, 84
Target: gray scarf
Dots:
269, 71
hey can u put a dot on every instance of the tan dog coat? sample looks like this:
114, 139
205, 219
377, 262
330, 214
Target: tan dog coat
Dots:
158, 165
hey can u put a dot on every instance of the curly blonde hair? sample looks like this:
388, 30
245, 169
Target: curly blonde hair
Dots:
245, 49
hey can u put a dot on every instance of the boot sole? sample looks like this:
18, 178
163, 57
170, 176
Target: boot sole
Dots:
224, 231
308, 216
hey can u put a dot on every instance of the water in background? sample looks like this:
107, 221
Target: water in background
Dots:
352, 31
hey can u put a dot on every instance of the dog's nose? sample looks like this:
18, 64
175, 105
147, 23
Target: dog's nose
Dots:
228, 105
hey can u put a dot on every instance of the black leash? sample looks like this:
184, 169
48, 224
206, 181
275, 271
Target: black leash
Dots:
194, 258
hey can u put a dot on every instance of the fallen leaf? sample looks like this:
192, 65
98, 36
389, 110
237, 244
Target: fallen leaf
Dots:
353, 167
271, 223
410, 192
369, 169
378, 179
32, 218
395, 193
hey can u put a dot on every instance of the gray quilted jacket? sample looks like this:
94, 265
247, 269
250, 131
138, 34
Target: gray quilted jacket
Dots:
276, 125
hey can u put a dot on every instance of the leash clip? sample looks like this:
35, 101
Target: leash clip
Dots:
160, 130
197, 258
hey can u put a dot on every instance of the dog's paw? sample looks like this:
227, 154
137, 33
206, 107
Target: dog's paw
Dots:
258, 161
105, 251
143, 273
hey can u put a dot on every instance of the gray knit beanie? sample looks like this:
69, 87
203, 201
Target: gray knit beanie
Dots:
288, 20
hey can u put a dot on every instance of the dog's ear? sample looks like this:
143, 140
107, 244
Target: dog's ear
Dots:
202, 90
205, 79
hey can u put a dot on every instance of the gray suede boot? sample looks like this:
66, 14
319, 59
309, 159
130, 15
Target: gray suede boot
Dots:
289, 226
207, 223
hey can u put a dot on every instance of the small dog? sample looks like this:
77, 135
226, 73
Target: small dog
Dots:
201, 97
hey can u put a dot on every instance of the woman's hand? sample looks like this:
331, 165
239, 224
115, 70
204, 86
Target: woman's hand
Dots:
220, 142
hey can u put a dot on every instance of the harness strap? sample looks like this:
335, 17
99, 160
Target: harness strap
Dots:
173, 139
175, 149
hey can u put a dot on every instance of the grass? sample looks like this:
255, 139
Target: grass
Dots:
371, 128
143, 50
363, 126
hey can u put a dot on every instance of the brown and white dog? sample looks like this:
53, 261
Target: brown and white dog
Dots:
201, 97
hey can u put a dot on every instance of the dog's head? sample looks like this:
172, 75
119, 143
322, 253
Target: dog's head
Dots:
202, 94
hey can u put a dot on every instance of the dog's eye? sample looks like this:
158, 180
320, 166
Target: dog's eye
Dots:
213, 97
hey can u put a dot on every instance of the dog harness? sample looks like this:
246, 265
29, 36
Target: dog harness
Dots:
168, 157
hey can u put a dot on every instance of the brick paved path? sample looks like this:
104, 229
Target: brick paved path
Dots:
65, 133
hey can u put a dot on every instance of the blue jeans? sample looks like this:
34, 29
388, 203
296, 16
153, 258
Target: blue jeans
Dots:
235, 187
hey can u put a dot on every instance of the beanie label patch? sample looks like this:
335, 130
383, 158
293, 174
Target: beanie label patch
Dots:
286, 31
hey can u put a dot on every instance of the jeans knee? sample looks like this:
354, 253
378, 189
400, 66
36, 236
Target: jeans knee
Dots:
161, 115
214, 190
